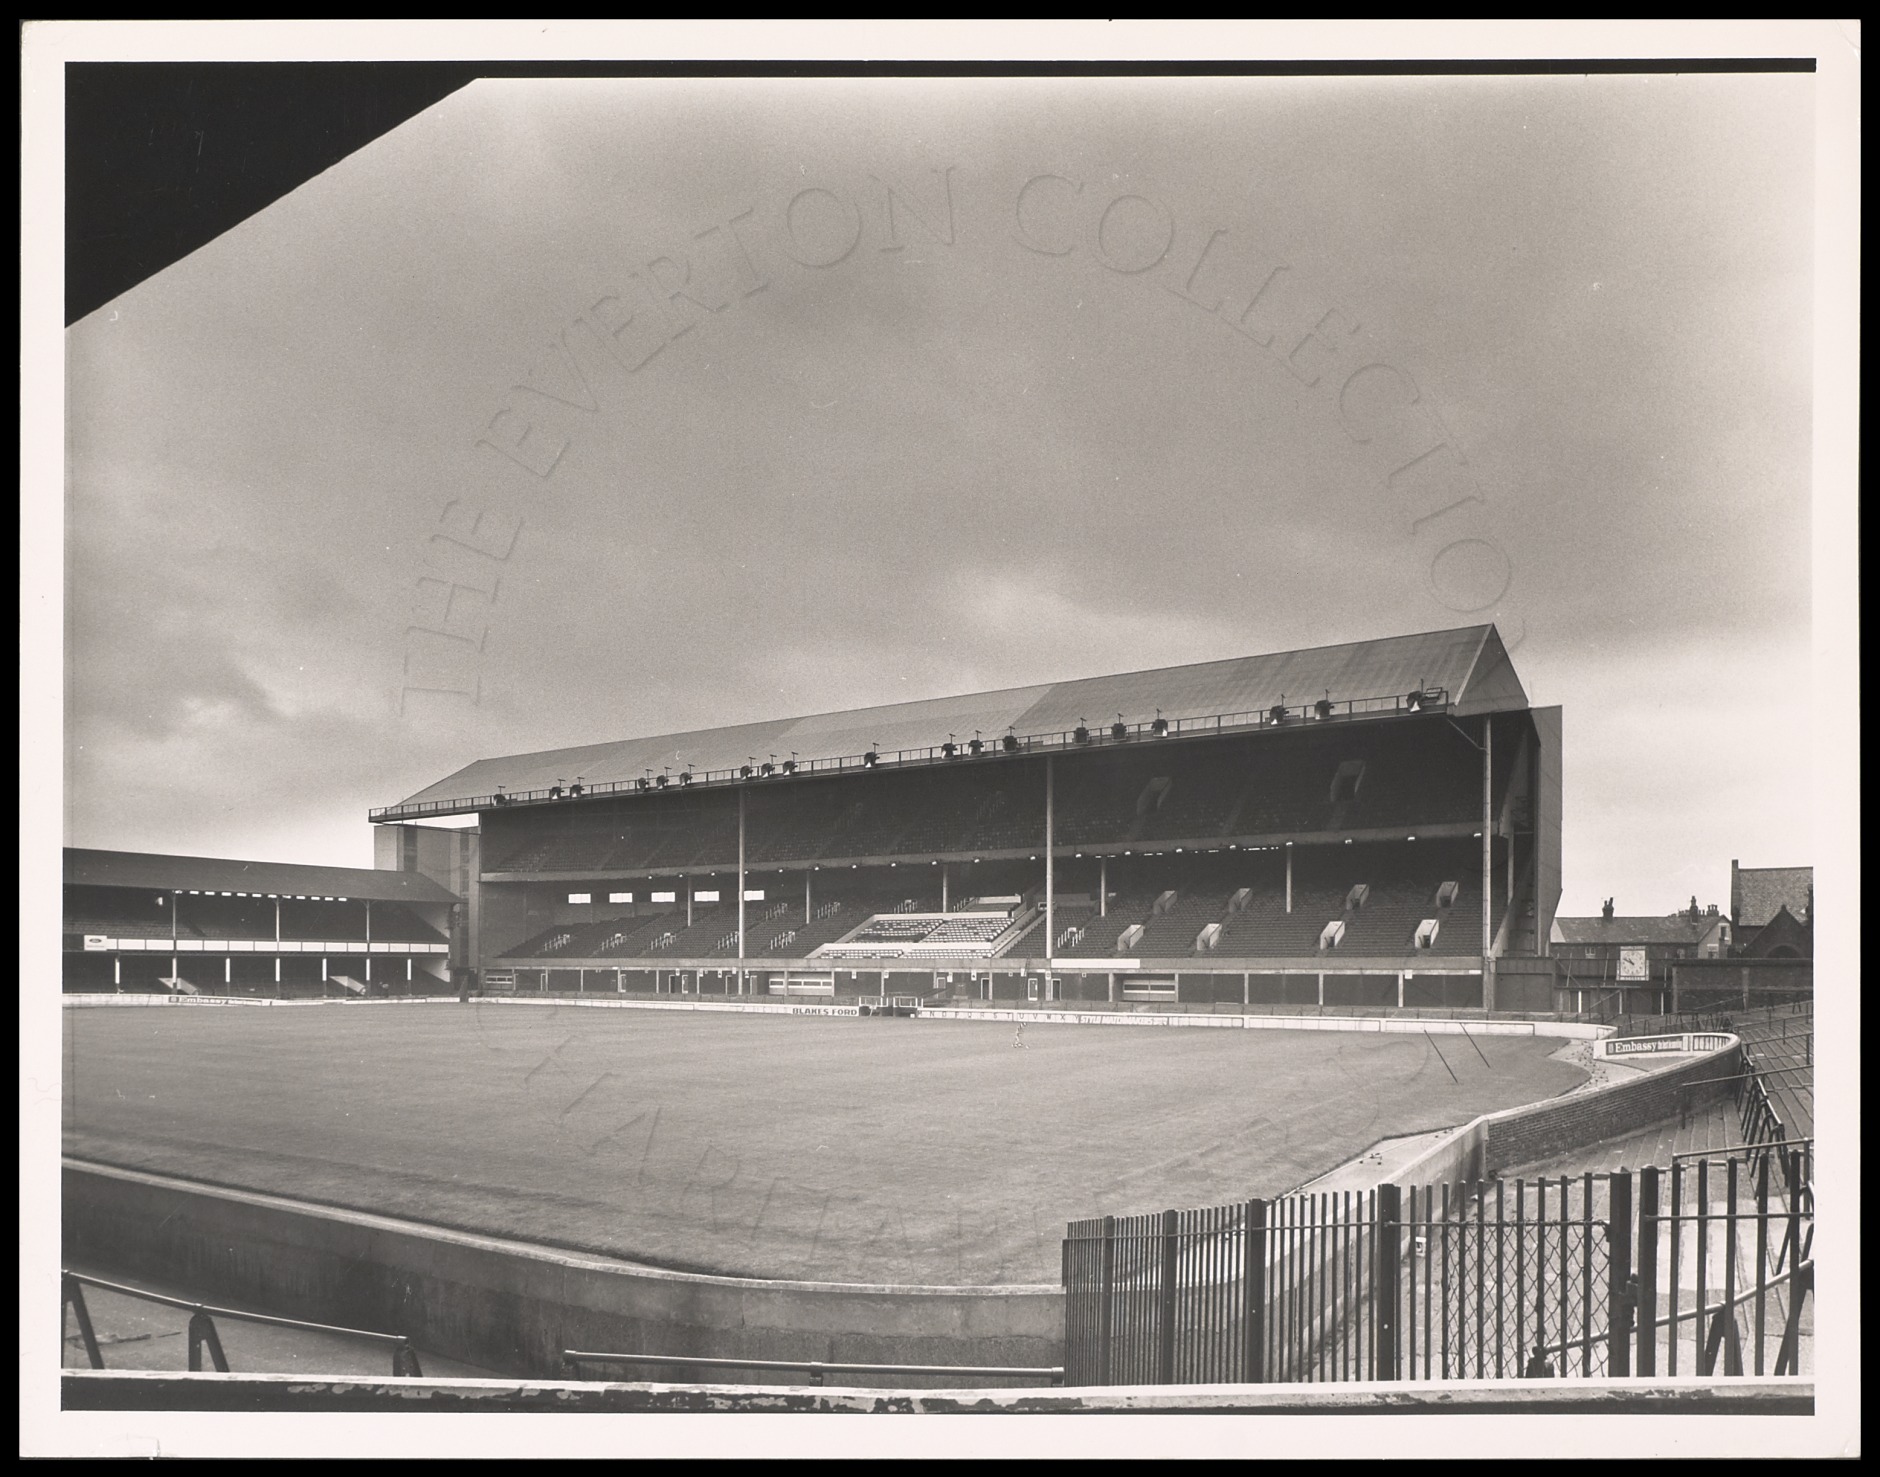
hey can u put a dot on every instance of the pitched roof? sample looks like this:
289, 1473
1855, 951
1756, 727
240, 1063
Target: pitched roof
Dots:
1757, 892
1470, 663
1784, 930
1677, 929
145, 869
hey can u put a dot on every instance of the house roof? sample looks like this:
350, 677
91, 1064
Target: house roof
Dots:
1757, 892
1783, 930
1676, 929
1469, 663
145, 869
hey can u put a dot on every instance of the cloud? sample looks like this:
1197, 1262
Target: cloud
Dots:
948, 468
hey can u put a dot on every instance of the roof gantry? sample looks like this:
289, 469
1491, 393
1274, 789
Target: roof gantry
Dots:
1468, 666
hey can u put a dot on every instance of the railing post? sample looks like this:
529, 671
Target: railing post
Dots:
74, 1294
1106, 1289
1388, 1247
1622, 1284
1801, 1283
1733, 1349
202, 1331
1253, 1291
1646, 1317
1165, 1301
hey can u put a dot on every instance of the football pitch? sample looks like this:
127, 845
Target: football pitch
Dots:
833, 1149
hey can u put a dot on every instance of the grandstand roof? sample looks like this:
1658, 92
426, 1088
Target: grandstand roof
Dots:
222, 874
1469, 663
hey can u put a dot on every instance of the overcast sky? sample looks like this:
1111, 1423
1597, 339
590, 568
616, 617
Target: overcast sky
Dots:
1132, 373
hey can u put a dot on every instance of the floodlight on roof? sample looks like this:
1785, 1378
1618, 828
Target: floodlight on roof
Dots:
1119, 730
1160, 727
1082, 734
1323, 707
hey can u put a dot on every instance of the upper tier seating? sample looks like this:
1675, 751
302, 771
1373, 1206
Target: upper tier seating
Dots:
1393, 776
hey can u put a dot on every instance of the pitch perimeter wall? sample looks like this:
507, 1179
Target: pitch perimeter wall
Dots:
513, 1307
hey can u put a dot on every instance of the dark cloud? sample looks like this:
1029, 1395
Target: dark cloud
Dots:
942, 467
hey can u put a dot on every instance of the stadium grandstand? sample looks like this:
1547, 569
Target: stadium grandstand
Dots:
135, 922
1371, 825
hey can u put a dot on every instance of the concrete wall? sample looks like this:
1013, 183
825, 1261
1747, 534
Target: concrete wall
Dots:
1548, 813
1525, 984
513, 1308
1499, 1141
1548, 1129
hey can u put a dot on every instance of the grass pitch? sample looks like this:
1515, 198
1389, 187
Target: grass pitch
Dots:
834, 1149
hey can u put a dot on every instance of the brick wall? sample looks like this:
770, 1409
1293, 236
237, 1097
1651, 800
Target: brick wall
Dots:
1719, 984
1583, 1119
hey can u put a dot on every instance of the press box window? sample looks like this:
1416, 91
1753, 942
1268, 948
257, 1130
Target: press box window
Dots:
665, 897
619, 897
580, 897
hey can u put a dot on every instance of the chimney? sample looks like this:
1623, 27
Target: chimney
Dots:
1605, 909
